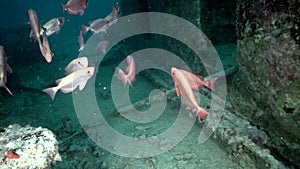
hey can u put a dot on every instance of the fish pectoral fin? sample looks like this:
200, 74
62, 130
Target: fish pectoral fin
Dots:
81, 12
8, 90
82, 84
8, 68
67, 90
177, 90
2, 84
31, 33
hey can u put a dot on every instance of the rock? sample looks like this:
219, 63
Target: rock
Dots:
142, 128
36, 147
267, 80
104, 165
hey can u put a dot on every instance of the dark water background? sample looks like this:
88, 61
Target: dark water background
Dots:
13, 16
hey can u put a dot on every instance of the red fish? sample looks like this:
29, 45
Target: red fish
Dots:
130, 77
75, 6
46, 50
197, 82
183, 88
11, 154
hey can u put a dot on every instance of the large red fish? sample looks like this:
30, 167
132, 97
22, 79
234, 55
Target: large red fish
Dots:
183, 88
75, 6
130, 76
196, 82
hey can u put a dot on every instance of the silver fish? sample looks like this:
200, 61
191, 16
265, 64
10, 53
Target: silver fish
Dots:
96, 26
69, 83
52, 26
4, 68
76, 64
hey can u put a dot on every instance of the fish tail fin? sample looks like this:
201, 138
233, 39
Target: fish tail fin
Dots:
81, 48
211, 83
84, 29
129, 82
51, 92
202, 113
2, 84
121, 75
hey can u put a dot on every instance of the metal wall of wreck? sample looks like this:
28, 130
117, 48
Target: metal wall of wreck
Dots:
188, 11
266, 89
215, 18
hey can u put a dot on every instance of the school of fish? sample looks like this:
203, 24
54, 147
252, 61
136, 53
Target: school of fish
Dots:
78, 71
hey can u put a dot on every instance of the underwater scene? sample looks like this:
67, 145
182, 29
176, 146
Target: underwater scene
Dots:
148, 84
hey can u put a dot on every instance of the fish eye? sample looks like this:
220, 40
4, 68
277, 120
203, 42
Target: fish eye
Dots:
78, 62
88, 72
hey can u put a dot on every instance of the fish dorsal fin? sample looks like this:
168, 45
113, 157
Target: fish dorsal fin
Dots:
82, 84
8, 68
